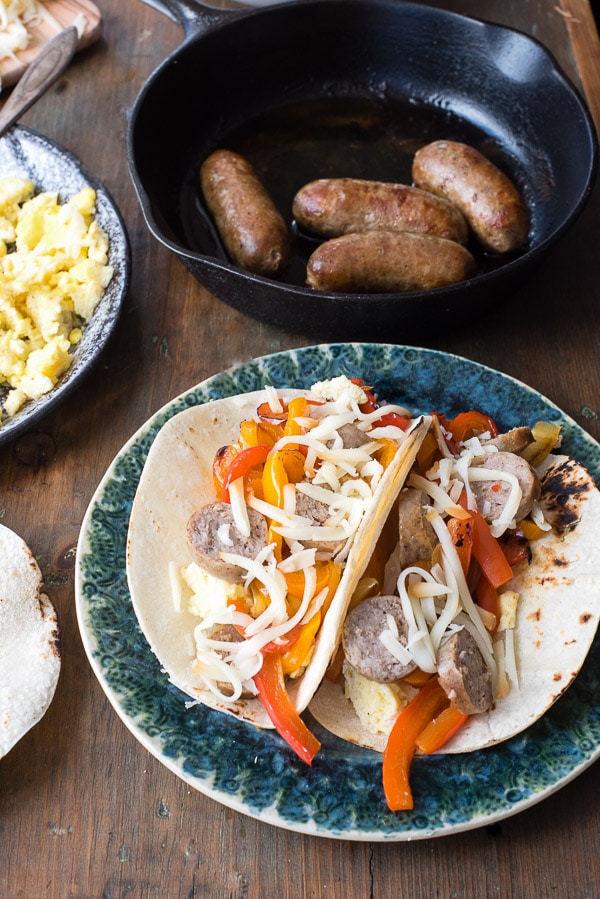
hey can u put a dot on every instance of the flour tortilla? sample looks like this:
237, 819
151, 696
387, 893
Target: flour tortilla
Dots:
557, 619
177, 481
29, 642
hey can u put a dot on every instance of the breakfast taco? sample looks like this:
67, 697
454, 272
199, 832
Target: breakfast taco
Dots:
485, 608
254, 519
29, 642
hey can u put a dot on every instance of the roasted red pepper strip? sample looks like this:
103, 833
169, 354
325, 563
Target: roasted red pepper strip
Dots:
392, 418
469, 424
241, 465
371, 402
516, 548
488, 552
487, 598
290, 638
441, 729
486, 549
461, 532
286, 720
401, 744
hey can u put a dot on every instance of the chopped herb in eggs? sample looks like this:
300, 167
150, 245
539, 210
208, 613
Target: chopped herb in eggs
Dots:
53, 271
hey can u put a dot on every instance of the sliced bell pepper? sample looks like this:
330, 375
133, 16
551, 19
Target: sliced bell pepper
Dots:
371, 402
221, 463
334, 671
280, 709
487, 599
486, 548
241, 464
298, 654
393, 419
298, 408
461, 532
265, 412
253, 433
530, 530
428, 452
488, 552
470, 424
516, 546
439, 731
387, 451
401, 744
283, 467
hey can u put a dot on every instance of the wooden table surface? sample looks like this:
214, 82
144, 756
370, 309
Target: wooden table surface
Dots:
85, 810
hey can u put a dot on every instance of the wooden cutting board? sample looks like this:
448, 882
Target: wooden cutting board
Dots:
65, 12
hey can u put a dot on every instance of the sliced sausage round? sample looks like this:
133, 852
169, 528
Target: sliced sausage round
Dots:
463, 674
492, 496
416, 537
317, 513
212, 531
362, 646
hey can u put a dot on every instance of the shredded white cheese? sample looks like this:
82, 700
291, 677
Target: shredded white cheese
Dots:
342, 480
15, 16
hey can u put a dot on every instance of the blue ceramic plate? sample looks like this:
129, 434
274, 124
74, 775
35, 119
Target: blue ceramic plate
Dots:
253, 771
27, 154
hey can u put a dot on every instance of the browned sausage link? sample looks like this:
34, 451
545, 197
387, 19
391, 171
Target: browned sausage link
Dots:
251, 227
331, 207
486, 196
387, 262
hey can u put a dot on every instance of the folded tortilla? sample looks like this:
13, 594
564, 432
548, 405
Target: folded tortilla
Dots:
557, 618
177, 481
29, 642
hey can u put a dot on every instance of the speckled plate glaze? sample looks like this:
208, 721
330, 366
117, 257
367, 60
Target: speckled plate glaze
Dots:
27, 154
253, 771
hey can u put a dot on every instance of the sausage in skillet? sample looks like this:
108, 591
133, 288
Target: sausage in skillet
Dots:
487, 198
330, 207
387, 262
251, 227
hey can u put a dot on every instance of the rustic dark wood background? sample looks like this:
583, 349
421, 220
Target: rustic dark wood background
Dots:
85, 811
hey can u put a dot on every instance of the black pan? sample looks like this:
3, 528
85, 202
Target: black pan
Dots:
322, 88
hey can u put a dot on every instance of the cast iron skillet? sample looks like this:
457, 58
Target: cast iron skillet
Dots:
322, 88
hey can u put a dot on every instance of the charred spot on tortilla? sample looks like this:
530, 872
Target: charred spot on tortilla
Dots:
565, 487
585, 618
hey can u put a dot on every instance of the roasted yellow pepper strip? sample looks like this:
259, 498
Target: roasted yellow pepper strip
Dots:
282, 467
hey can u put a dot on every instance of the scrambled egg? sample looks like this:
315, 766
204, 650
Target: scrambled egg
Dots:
377, 705
209, 593
53, 272
509, 601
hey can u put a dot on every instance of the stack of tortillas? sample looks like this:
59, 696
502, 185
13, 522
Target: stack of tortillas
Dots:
29, 642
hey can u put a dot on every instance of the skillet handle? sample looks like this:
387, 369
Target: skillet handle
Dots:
193, 15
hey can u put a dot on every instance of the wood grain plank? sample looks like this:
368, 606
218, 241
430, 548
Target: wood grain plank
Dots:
583, 32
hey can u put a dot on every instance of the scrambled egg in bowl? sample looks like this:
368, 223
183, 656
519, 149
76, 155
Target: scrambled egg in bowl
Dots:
53, 272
